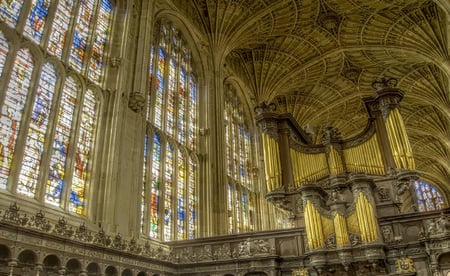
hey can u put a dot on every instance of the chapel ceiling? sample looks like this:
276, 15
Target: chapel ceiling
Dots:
317, 59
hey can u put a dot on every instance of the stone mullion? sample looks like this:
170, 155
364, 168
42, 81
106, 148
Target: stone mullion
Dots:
48, 24
65, 54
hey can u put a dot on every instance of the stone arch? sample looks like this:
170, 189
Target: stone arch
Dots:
5, 254
111, 271
256, 273
444, 263
127, 272
51, 264
26, 260
73, 267
142, 273
93, 269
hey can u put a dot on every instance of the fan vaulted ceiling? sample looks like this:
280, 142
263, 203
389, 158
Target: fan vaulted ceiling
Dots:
318, 58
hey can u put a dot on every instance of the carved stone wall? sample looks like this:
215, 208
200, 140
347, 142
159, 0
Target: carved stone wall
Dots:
412, 244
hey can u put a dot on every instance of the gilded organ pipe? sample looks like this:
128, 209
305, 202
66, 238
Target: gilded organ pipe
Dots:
366, 219
307, 166
365, 157
340, 228
314, 229
398, 140
335, 161
271, 163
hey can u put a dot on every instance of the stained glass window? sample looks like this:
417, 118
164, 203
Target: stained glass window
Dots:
10, 11
170, 106
428, 197
192, 198
56, 174
83, 152
80, 35
150, 82
168, 193
181, 195
34, 26
4, 49
159, 91
36, 137
193, 116
230, 208
155, 180
172, 113
60, 27
144, 183
48, 121
12, 110
238, 150
100, 39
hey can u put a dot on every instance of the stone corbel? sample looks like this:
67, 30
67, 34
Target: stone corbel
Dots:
136, 102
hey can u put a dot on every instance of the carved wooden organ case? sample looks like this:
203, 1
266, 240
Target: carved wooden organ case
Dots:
330, 188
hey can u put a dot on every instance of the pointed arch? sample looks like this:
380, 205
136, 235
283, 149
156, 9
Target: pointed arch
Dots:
172, 111
428, 197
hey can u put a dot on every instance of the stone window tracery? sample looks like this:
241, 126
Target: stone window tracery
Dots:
239, 157
428, 197
169, 197
49, 120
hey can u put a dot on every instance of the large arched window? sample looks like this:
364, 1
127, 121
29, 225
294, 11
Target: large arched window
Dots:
51, 163
170, 162
428, 197
239, 160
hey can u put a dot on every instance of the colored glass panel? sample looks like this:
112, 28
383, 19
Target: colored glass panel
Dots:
181, 195
237, 207
56, 175
34, 26
159, 89
428, 197
181, 120
244, 211
144, 181
12, 110
80, 35
60, 27
192, 199
238, 158
154, 201
103, 29
150, 81
170, 106
35, 141
192, 143
4, 49
83, 153
168, 193
230, 208
10, 11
